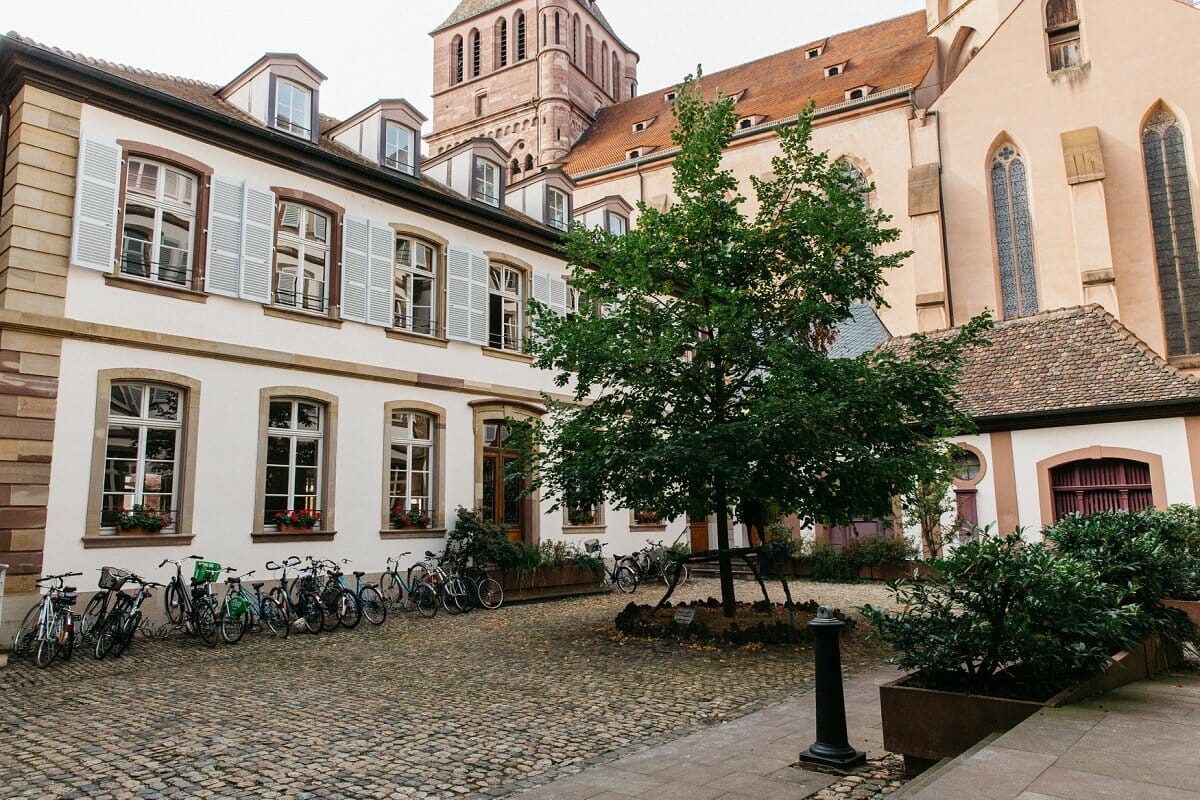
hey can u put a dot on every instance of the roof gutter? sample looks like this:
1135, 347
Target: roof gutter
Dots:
905, 91
1065, 417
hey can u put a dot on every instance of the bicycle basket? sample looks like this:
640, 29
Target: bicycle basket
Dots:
592, 545
207, 571
113, 577
237, 605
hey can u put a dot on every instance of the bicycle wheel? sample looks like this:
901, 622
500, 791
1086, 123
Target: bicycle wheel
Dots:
329, 607
390, 588
349, 612
106, 634
313, 612
46, 650
174, 602
22, 640
627, 580
233, 626
449, 596
275, 618
374, 606
489, 593
204, 620
425, 599
91, 615
124, 637
407, 602
66, 636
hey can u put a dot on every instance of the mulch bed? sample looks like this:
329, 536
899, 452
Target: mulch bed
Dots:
761, 622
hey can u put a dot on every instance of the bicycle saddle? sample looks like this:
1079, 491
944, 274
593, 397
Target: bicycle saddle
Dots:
258, 585
358, 573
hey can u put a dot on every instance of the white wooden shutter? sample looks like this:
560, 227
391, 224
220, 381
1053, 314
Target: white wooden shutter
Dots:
258, 247
223, 268
97, 192
479, 298
380, 275
539, 287
558, 295
355, 245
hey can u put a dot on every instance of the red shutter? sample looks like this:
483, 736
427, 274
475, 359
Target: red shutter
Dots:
1108, 484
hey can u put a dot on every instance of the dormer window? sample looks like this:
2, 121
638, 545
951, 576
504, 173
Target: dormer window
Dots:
398, 147
642, 125
1062, 28
814, 52
557, 205
633, 154
859, 92
486, 186
835, 70
746, 123
615, 223
293, 108
670, 96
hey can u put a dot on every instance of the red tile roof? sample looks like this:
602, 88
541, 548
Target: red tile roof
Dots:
1079, 358
887, 55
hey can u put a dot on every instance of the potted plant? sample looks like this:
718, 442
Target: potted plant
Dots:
998, 629
412, 519
647, 518
300, 521
584, 515
141, 521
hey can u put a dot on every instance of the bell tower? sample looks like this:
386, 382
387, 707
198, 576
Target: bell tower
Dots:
531, 74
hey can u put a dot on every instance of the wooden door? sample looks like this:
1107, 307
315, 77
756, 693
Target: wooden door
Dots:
502, 501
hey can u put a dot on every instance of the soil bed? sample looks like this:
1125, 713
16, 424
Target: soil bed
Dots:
760, 622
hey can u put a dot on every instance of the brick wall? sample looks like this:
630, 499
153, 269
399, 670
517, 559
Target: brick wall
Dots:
35, 240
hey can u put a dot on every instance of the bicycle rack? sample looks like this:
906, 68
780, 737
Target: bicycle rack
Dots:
3, 573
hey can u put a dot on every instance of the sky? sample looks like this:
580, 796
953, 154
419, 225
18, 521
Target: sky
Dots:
381, 48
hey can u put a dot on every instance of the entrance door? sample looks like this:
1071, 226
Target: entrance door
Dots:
502, 500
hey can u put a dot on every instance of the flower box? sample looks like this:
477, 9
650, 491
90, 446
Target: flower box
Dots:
545, 582
138, 531
287, 527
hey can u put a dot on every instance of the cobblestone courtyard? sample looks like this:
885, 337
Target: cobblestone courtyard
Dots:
480, 705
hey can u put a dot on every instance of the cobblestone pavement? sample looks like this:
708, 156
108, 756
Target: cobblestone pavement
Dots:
480, 705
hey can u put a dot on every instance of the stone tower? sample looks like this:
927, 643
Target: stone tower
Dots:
531, 74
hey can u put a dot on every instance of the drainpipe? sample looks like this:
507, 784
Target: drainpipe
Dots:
641, 183
3, 572
945, 236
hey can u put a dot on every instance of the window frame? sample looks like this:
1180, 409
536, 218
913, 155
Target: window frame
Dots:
609, 216
1158, 483
327, 472
409, 168
563, 222
413, 273
1061, 34
598, 524
203, 174
333, 278
309, 134
437, 416
187, 444
996, 159
521, 297
498, 172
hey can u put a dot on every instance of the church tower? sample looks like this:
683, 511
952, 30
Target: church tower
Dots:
531, 74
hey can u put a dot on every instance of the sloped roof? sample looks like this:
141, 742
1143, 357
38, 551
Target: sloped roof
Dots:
887, 55
1079, 358
862, 333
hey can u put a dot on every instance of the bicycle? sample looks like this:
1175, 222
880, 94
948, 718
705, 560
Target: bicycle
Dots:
621, 575
110, 583
405, 595
451, 588
369, 598
195, 611
115, 633
341, 603
241, 611
651, 563
489, 592
306, 607
49, 627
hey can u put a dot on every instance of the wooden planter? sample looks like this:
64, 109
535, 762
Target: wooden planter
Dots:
138, 531
546, 582
1190, 607
286, 527
895, 572
927, 725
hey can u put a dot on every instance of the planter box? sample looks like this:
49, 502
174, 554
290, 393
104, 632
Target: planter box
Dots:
1191, 607
927, 725
545, 582
894, 572
138, 531
285, 527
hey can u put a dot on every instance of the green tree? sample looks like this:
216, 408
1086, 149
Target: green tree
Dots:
698, 362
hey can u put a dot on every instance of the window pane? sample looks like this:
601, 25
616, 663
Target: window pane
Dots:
287, 269
142, 178
420, 482
137, 244
400, 424
164, 404
489, 490
512, 281
277, 480
160, 443
403, 252
279, 450
175, 246
317, 227
308, 417
159, 477
422, 257
280, 414
423, 308
119, 476
290, 218
306, 482
306, 452
125, 400
490, 434
179, 188
420, 459
122, 442
421, 427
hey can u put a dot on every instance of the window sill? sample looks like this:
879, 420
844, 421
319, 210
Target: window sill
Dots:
507, 355
154, 287
647, 528
1185, 362
282, 312
276, 536
579, 530
420, 338
420, 533
99, 542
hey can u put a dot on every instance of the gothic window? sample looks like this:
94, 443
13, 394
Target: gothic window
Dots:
529, 163
1062, 28
604, 64
520, 21
456, 60
575, 40
557, 28
616, 77
1014, 233
860, 180
1165, 151
476, 54
515, 168
589, 53
502, 43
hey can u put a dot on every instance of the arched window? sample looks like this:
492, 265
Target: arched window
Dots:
575, 40
502, 43
860, 179
515, 167
1165, 152
1014, 233
528, 163
589, 52
616, 77
557, 28
1062, 30
456, 60
476, 54
520, 23
604, 64
1104, 484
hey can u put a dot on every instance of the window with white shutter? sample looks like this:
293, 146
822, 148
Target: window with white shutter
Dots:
466, 295
380, 275
355, 265
223, 266
94, 244
258, 224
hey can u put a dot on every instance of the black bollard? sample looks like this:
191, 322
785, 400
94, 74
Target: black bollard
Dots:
832, 747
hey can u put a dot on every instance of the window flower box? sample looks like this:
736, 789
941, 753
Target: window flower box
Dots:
413, 519
141, 521
300, 521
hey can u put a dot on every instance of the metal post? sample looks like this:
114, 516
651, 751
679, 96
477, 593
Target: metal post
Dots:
3, 573
832, 747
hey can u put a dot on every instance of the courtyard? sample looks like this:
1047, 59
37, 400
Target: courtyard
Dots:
481, 705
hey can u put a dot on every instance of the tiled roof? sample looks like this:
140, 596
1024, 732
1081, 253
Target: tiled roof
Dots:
203, 95
1078, 358
863, 332
887, 55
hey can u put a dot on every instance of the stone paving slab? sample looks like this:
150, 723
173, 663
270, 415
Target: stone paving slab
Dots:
476, 706
1139, 742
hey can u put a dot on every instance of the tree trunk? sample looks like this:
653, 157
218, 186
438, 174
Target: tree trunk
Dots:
727, 596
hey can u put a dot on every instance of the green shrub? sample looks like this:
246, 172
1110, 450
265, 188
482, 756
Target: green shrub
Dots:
884, 551
676, 551
1004, 614
837, 566
1148, 555
798, 548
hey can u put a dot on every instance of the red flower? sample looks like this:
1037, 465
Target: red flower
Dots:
316, 515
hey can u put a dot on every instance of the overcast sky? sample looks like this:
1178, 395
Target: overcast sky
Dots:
381, 48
